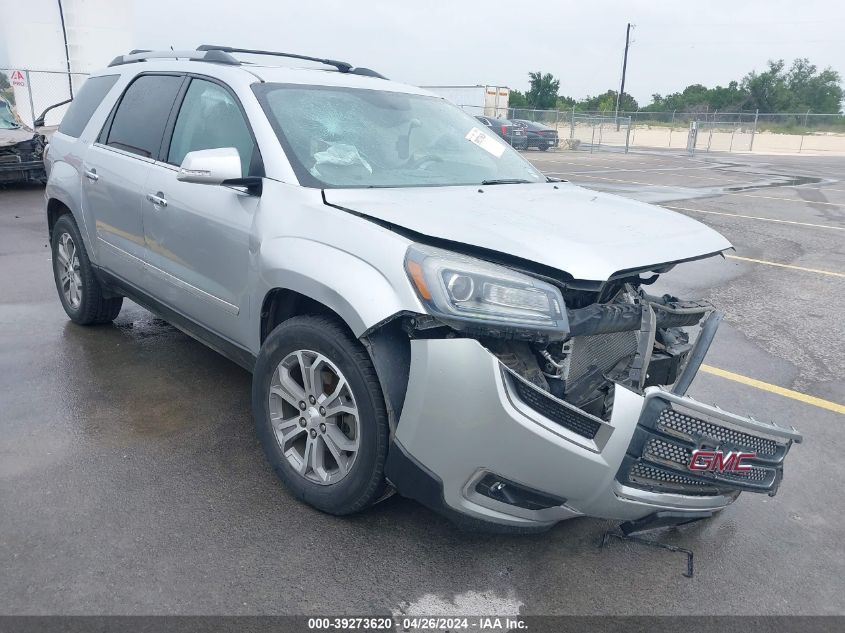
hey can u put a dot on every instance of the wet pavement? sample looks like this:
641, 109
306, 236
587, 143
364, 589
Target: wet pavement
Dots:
131, 481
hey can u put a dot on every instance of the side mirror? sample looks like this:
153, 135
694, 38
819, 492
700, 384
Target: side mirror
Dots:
210, 166
39, 122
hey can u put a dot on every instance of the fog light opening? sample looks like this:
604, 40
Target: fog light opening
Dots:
505, 491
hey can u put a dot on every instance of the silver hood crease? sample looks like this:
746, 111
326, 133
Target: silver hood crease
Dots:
588, 234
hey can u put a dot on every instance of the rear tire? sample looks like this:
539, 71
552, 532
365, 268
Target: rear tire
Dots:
332, 461
79, 290
542, 147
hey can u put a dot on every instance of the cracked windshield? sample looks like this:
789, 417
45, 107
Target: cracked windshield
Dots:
346, 137
7, 119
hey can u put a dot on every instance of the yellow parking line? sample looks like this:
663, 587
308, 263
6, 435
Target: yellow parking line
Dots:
781, 391
806, 270
757, 217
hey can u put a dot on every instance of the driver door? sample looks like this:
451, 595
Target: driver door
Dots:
197, 235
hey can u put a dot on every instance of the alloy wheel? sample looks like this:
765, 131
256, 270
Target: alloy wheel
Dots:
314, 417
67, 268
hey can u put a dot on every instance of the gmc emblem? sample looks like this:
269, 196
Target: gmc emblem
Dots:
711, 461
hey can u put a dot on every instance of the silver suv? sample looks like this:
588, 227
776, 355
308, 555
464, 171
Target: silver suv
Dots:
422, 309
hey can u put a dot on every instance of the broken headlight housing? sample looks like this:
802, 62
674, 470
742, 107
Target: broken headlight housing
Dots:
474, 295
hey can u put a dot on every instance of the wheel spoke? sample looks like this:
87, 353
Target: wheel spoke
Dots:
306, 368
287, 388
337, 441
326, 400
341, 408
288, 429
61, 255
74, 292
306, 456
318, 455
70, 248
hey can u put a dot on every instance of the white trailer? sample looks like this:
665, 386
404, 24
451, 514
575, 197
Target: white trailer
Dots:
477, 100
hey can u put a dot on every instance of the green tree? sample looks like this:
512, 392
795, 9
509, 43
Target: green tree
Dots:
768, 91
813, 90
542, 93
517, 99
800, 88
606, 102
564, 103
6, 90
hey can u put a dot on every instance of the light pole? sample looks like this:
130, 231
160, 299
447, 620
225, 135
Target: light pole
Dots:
624, 70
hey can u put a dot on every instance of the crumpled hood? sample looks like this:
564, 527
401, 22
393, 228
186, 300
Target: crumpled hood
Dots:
588, 234
15, 136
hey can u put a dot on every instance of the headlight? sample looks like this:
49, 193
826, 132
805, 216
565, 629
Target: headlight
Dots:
467, 293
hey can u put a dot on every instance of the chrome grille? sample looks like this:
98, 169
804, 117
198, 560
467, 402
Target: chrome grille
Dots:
670, 429
674, 454
644, 473
687, 427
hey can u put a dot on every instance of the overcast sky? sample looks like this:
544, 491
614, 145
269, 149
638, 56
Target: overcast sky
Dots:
440, 42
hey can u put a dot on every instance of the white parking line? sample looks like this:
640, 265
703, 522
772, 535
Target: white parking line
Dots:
779, 265
756, 217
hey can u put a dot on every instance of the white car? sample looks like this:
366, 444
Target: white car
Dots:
421, 308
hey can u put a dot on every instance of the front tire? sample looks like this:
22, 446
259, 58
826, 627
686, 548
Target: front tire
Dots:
320, 414
79, 290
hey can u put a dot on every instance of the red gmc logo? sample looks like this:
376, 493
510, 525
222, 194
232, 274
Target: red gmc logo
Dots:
730, 462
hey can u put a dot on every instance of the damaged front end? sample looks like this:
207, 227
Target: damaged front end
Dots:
586, 351
21, 150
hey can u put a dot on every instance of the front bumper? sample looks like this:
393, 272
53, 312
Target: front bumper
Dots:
20, 171
467, 421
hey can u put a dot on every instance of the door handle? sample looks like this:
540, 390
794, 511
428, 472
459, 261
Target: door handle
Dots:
157, 199
91, 174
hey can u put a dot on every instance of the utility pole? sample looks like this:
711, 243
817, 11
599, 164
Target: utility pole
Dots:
67, 49
624, 70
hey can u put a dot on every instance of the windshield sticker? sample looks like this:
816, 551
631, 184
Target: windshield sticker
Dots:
485, 142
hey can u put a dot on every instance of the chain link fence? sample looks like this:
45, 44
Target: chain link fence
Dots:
802, 132
797, 132
30, 92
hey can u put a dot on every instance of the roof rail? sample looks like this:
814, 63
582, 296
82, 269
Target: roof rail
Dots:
344, 67
221, 55
140, 55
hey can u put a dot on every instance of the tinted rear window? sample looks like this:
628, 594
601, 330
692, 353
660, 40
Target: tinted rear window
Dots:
84, 103
139, 122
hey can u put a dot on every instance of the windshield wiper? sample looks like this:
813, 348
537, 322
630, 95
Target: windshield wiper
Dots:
506, 181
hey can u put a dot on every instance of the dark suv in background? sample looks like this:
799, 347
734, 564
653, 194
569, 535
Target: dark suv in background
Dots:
509, 131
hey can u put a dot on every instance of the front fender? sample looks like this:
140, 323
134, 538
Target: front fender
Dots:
359, 292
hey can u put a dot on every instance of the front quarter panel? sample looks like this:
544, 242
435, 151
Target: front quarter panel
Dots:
348, 263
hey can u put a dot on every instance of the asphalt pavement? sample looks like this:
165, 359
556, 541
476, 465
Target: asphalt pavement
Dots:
131, 480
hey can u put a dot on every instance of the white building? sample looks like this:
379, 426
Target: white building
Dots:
32, 40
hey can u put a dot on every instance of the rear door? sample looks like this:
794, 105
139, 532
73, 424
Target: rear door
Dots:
117, 166
197, 235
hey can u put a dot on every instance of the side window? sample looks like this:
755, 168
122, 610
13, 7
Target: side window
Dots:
89, 97
139, 121
209, 119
